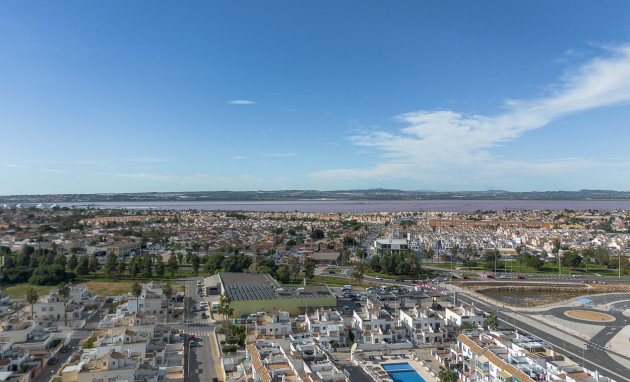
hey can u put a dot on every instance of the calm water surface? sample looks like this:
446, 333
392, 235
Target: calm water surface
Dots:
363, 206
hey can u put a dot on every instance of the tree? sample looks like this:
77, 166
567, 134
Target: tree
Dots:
534, 262
136, 291
283, 274
317, 234
31, 298
224, 307
159, 266
167, 291
213, 263
309, 267
121, 267
72, 261
172, 264
94, 265
111, 264
358, 272
64, 292
491, 321
83, 265
294, 266
196, 263
134, 268
61, 260
180, 260
147, 266
466, 326
447, 373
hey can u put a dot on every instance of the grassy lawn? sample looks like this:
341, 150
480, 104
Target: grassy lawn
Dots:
19, 290
106, 287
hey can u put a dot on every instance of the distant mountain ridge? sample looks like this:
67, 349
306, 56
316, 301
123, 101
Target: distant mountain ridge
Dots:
369, 194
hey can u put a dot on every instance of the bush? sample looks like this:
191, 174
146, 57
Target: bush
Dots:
50, 275
228, 349
89, 343
16, 275
222, 342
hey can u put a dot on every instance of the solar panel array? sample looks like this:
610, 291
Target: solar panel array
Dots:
246, 292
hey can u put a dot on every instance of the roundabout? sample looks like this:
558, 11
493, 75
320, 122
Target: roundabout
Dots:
590, 316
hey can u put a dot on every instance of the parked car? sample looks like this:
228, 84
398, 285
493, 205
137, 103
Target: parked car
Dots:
577, 275
52, 361
204, 315
520, 277
489, 276
464, 277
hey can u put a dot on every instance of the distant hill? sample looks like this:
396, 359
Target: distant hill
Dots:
371, 194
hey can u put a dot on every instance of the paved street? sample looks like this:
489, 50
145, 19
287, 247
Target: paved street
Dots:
202, 360
78, 336
590, 353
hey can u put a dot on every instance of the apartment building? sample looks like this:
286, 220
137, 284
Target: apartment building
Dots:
464, 314
326, 326
423, 325
374, 325
276, 323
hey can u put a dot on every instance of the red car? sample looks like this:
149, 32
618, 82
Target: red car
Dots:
489, 276
520, 277
464, 277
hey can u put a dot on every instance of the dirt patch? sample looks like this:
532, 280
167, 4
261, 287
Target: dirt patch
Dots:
587, 315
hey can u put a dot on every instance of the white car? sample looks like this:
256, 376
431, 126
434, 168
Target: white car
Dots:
377, 278
577, 275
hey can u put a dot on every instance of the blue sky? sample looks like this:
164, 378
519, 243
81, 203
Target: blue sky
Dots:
130, 96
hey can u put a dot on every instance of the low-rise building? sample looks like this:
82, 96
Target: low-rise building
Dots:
423, 325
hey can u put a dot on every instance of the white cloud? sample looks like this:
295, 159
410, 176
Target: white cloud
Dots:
15, 166
280, 155
54, 171
239, 157
241, 102
148, 160
446, 144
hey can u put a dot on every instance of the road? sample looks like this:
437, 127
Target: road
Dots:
588, 353
78, 336
201, 358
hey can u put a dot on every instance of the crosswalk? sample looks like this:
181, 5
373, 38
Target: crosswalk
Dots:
199, 321
201, 334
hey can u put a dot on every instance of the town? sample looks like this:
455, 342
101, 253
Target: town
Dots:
149, 295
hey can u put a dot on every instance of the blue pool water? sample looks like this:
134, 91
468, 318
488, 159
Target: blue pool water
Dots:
402, 372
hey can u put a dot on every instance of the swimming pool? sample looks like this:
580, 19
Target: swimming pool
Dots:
402, 372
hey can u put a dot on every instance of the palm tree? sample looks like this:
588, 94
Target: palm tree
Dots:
136, 291
491, 321
447, 373
64, 292
31, 298
167, 291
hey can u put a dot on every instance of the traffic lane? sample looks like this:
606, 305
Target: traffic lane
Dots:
50, 370
202, 367
597, 359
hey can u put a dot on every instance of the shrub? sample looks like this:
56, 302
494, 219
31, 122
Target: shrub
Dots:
228, 349
222, 342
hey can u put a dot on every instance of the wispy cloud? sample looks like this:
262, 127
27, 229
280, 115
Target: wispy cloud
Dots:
279, 155
241, 102
16, 165
148, 160
239, 157
447, 144
54, 171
